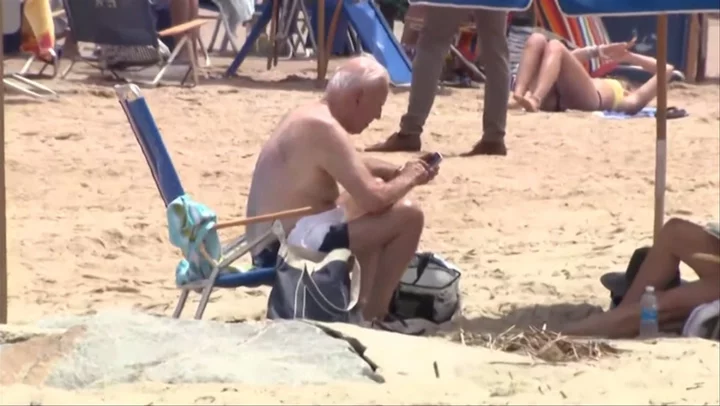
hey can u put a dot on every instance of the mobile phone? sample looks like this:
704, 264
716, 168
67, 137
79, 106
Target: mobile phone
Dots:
434, 159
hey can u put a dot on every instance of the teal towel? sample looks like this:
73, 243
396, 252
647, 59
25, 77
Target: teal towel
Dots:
190, 225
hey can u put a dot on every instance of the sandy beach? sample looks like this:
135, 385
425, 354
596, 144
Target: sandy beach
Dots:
532, 231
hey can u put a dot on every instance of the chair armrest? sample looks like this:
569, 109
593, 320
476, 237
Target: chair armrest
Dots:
184, 27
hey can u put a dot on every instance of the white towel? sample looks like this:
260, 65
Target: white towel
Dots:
694, 324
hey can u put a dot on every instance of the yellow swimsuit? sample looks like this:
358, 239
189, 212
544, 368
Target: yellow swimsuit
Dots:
618, 92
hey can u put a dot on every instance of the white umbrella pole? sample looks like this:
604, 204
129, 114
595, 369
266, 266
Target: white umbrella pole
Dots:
661, 126
3, 242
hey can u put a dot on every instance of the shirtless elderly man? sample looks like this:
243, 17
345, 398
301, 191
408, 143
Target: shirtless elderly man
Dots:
310, 153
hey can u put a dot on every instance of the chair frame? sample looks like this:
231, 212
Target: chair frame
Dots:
18, 81
186, 41
227, 39
128, 95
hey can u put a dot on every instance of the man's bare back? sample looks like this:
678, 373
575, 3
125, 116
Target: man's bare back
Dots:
286, 175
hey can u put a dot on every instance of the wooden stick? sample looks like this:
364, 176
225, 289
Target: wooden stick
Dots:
3, 206
267, 217
331, 33
183, 28
273, 31
693, 48
320, 52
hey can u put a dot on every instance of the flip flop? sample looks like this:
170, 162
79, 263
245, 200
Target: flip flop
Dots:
674, 112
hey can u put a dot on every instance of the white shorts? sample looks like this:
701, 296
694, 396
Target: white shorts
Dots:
311, 232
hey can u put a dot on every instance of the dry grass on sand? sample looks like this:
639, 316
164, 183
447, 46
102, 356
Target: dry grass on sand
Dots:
542, 344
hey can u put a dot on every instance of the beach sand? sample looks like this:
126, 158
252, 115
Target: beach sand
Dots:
532, 231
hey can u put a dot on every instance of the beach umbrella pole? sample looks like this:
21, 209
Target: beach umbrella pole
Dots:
661, 126
3, 242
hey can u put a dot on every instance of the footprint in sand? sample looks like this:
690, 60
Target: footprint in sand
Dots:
68, 136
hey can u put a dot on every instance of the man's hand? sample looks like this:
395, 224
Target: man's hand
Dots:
419, 171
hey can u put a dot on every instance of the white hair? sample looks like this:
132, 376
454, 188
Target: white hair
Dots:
360, 71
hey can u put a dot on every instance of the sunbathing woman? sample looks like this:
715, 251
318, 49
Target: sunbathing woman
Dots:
553, 78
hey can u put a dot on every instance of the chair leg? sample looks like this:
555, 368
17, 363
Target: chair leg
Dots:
21, 89
204, 52
181, 303
216, 30
204, 299
26, 68
178, 47
33, 84
193, 62
68, 69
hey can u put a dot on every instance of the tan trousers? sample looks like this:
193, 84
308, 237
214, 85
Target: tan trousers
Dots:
439, 27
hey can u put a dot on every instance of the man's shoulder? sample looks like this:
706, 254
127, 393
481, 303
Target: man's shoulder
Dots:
316, 124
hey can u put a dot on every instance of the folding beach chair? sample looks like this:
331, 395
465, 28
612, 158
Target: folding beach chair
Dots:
228, 37
12, 18
168, 184
126, 23
61, 31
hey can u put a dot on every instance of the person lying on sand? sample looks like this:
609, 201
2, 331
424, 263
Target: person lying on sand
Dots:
310, 153
552, 78
678, 241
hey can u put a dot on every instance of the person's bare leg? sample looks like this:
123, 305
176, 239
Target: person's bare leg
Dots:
678, 241
369, 265
560, 68
529, 64
182, 11
394, 235
624, 321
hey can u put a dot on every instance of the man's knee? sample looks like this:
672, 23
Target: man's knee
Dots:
412, 215
677, 227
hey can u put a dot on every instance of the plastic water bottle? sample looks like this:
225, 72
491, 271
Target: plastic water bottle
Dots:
648, 314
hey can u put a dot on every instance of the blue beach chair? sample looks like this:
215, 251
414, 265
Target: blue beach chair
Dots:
171, 191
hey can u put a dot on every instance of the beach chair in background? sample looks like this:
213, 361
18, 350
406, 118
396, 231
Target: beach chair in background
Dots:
12, 21
228, 36
217, 259
56, 52
126, 23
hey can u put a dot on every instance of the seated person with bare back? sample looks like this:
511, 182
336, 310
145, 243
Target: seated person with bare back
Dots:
310, 153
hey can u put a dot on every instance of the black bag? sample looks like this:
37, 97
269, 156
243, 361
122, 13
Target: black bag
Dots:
327, 290
429, 289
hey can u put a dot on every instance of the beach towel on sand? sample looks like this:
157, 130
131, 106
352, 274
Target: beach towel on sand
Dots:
190, 225
672, 112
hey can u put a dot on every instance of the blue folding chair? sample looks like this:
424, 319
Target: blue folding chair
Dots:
170, 188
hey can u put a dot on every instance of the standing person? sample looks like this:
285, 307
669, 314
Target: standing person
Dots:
440, 25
